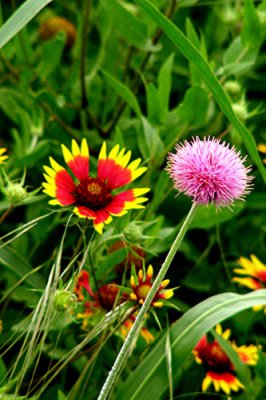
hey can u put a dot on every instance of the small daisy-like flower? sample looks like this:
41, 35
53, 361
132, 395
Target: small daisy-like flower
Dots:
253, 273
3, 157
94, 198
209, 171
219, 369
142, 285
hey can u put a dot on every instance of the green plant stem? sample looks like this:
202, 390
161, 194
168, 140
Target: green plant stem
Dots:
141, 315
84, 45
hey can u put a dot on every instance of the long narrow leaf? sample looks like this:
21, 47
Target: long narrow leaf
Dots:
20, 18
191, 53
150, 378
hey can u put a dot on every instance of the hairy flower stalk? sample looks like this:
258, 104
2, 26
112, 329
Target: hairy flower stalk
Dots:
209, 172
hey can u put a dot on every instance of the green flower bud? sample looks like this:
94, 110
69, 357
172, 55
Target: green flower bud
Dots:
15, 193
262, 18
64, 300
133, 232
230, 16
240, 110
232, 87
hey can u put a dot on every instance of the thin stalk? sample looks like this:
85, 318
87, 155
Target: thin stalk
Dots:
141, 315
6, 213
84, 44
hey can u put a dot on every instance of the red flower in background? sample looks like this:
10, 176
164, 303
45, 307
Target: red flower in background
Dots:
219, 369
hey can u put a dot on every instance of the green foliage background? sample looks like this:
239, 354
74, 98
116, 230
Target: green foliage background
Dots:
134, 78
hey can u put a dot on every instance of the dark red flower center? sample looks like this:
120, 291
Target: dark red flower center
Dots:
213, 357
93, 193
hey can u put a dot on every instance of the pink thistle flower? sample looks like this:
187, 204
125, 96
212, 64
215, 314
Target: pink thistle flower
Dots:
209, 171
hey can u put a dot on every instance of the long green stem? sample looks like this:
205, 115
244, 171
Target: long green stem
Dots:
141, 315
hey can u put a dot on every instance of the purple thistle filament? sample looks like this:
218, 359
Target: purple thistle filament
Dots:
209, 171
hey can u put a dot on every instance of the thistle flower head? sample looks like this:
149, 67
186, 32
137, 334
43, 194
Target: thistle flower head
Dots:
209, 171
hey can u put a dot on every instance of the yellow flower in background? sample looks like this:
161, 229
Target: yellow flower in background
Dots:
3, 157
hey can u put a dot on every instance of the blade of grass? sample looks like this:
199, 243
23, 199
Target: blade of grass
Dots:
191, 53
20, 18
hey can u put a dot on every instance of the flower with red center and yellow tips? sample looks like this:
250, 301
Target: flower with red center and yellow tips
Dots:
219, 369
142, 285
94, 198
2, 156
105, 298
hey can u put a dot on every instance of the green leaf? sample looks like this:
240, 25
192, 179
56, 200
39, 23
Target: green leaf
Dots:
207, 217
191, 53
165, 83
52, 53
11, 104
20, 18
123, 91
238, 59
111, 261
153, 104
131, 29
251, 32
150, 143
193, 109
193, 37
150, 378
20, 267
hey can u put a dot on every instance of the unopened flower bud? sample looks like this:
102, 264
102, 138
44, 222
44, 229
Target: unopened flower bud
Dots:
64, 300
53, 25
240, 111
15, 193
133, 232
233, 87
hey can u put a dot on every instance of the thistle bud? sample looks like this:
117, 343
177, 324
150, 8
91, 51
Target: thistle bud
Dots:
233, 88
133, 232
64, 300
240, 110
15, 193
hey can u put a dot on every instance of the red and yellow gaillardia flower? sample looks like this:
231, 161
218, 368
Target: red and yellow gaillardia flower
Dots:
98, 302
144, 332
142, 285
95, 198
2, 156
219, 369
253, 273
